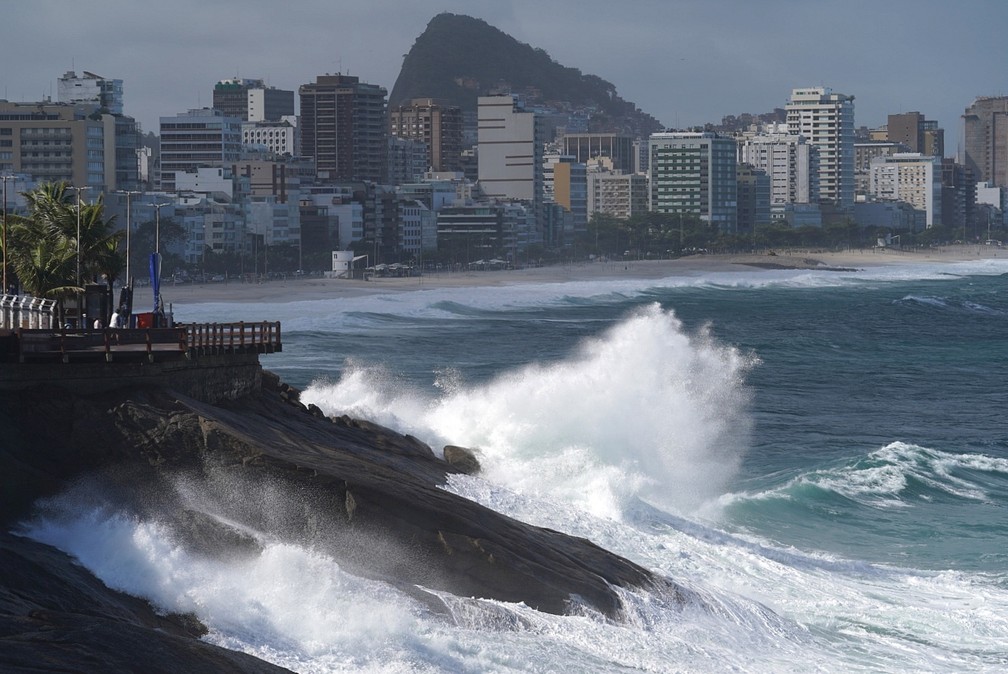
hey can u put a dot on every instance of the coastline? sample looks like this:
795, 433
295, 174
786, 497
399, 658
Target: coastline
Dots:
694, 265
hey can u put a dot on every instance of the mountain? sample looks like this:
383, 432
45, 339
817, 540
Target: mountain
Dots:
459, 58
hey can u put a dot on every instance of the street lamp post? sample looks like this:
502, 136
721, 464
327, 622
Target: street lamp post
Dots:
4, 242
129, 228
157, 226
79, 190
80, 305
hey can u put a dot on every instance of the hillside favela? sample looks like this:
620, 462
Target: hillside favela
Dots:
495, 371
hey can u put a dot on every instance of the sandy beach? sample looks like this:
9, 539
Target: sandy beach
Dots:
322, 288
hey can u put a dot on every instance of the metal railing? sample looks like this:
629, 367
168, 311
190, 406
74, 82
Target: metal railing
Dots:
25, 311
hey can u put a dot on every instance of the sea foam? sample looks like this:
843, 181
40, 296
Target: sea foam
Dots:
642, 410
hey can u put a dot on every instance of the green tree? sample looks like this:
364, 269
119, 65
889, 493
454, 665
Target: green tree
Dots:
143, 244
62, 243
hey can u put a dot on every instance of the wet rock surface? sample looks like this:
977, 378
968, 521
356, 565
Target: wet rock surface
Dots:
366, 495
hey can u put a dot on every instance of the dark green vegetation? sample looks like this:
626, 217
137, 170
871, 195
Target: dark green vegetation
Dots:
659, 235
459, 58
62, 244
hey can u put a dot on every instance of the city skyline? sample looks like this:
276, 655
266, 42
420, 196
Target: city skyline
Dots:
686, 63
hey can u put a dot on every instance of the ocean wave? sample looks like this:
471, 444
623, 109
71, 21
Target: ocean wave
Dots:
745, 604
945, 303
470, 302
896, 475
643, 409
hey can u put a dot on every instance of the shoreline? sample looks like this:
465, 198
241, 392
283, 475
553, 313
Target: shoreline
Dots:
298, 289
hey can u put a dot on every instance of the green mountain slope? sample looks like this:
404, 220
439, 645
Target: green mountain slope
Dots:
458, 58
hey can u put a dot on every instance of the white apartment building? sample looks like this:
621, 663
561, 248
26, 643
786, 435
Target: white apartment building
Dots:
200, 137
826, 120
912, 178
621, 195
106, 93
510, 151
206, 180
277, 223
791, 164
417, 227
277, 137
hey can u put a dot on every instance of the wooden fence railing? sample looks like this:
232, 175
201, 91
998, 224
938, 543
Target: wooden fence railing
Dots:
263, 337
184, 340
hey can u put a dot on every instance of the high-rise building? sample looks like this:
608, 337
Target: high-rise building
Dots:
695, 173
510, 151
826, 120
104, 96
959, 199
439, 125
202, 137
469, 233
753, 198
344, 127
565, 182
864, 153
913, 178
280, 138
621, 195
587, 146
252, 101
407, 160
105, 93
791, 164
58, 142
985, 126
917, 134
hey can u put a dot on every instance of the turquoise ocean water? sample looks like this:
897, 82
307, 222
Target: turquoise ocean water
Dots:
821, 457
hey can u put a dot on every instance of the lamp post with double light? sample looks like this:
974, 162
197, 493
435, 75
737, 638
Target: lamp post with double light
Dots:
157, 226
129, 229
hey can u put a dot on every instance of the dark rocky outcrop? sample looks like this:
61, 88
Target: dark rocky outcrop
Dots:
462, 459
365, 494
57, 617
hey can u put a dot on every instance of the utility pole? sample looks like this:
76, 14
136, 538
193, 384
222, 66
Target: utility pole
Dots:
129, 229
80, 304
4, 242
79, 190
157, 226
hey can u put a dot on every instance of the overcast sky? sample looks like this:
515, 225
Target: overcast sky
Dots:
684, 61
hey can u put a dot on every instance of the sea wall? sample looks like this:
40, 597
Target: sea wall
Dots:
209, 378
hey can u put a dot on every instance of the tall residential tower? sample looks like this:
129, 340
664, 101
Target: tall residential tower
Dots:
510, 151
344, 127
695, 173
826, 120
252, 101
985, 126
437, 124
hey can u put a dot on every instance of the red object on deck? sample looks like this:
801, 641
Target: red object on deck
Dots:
145, 320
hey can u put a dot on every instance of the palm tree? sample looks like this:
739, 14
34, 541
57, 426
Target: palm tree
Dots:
60, 237
44, 265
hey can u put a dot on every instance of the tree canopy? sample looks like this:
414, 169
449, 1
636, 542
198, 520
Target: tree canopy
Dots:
63, 243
